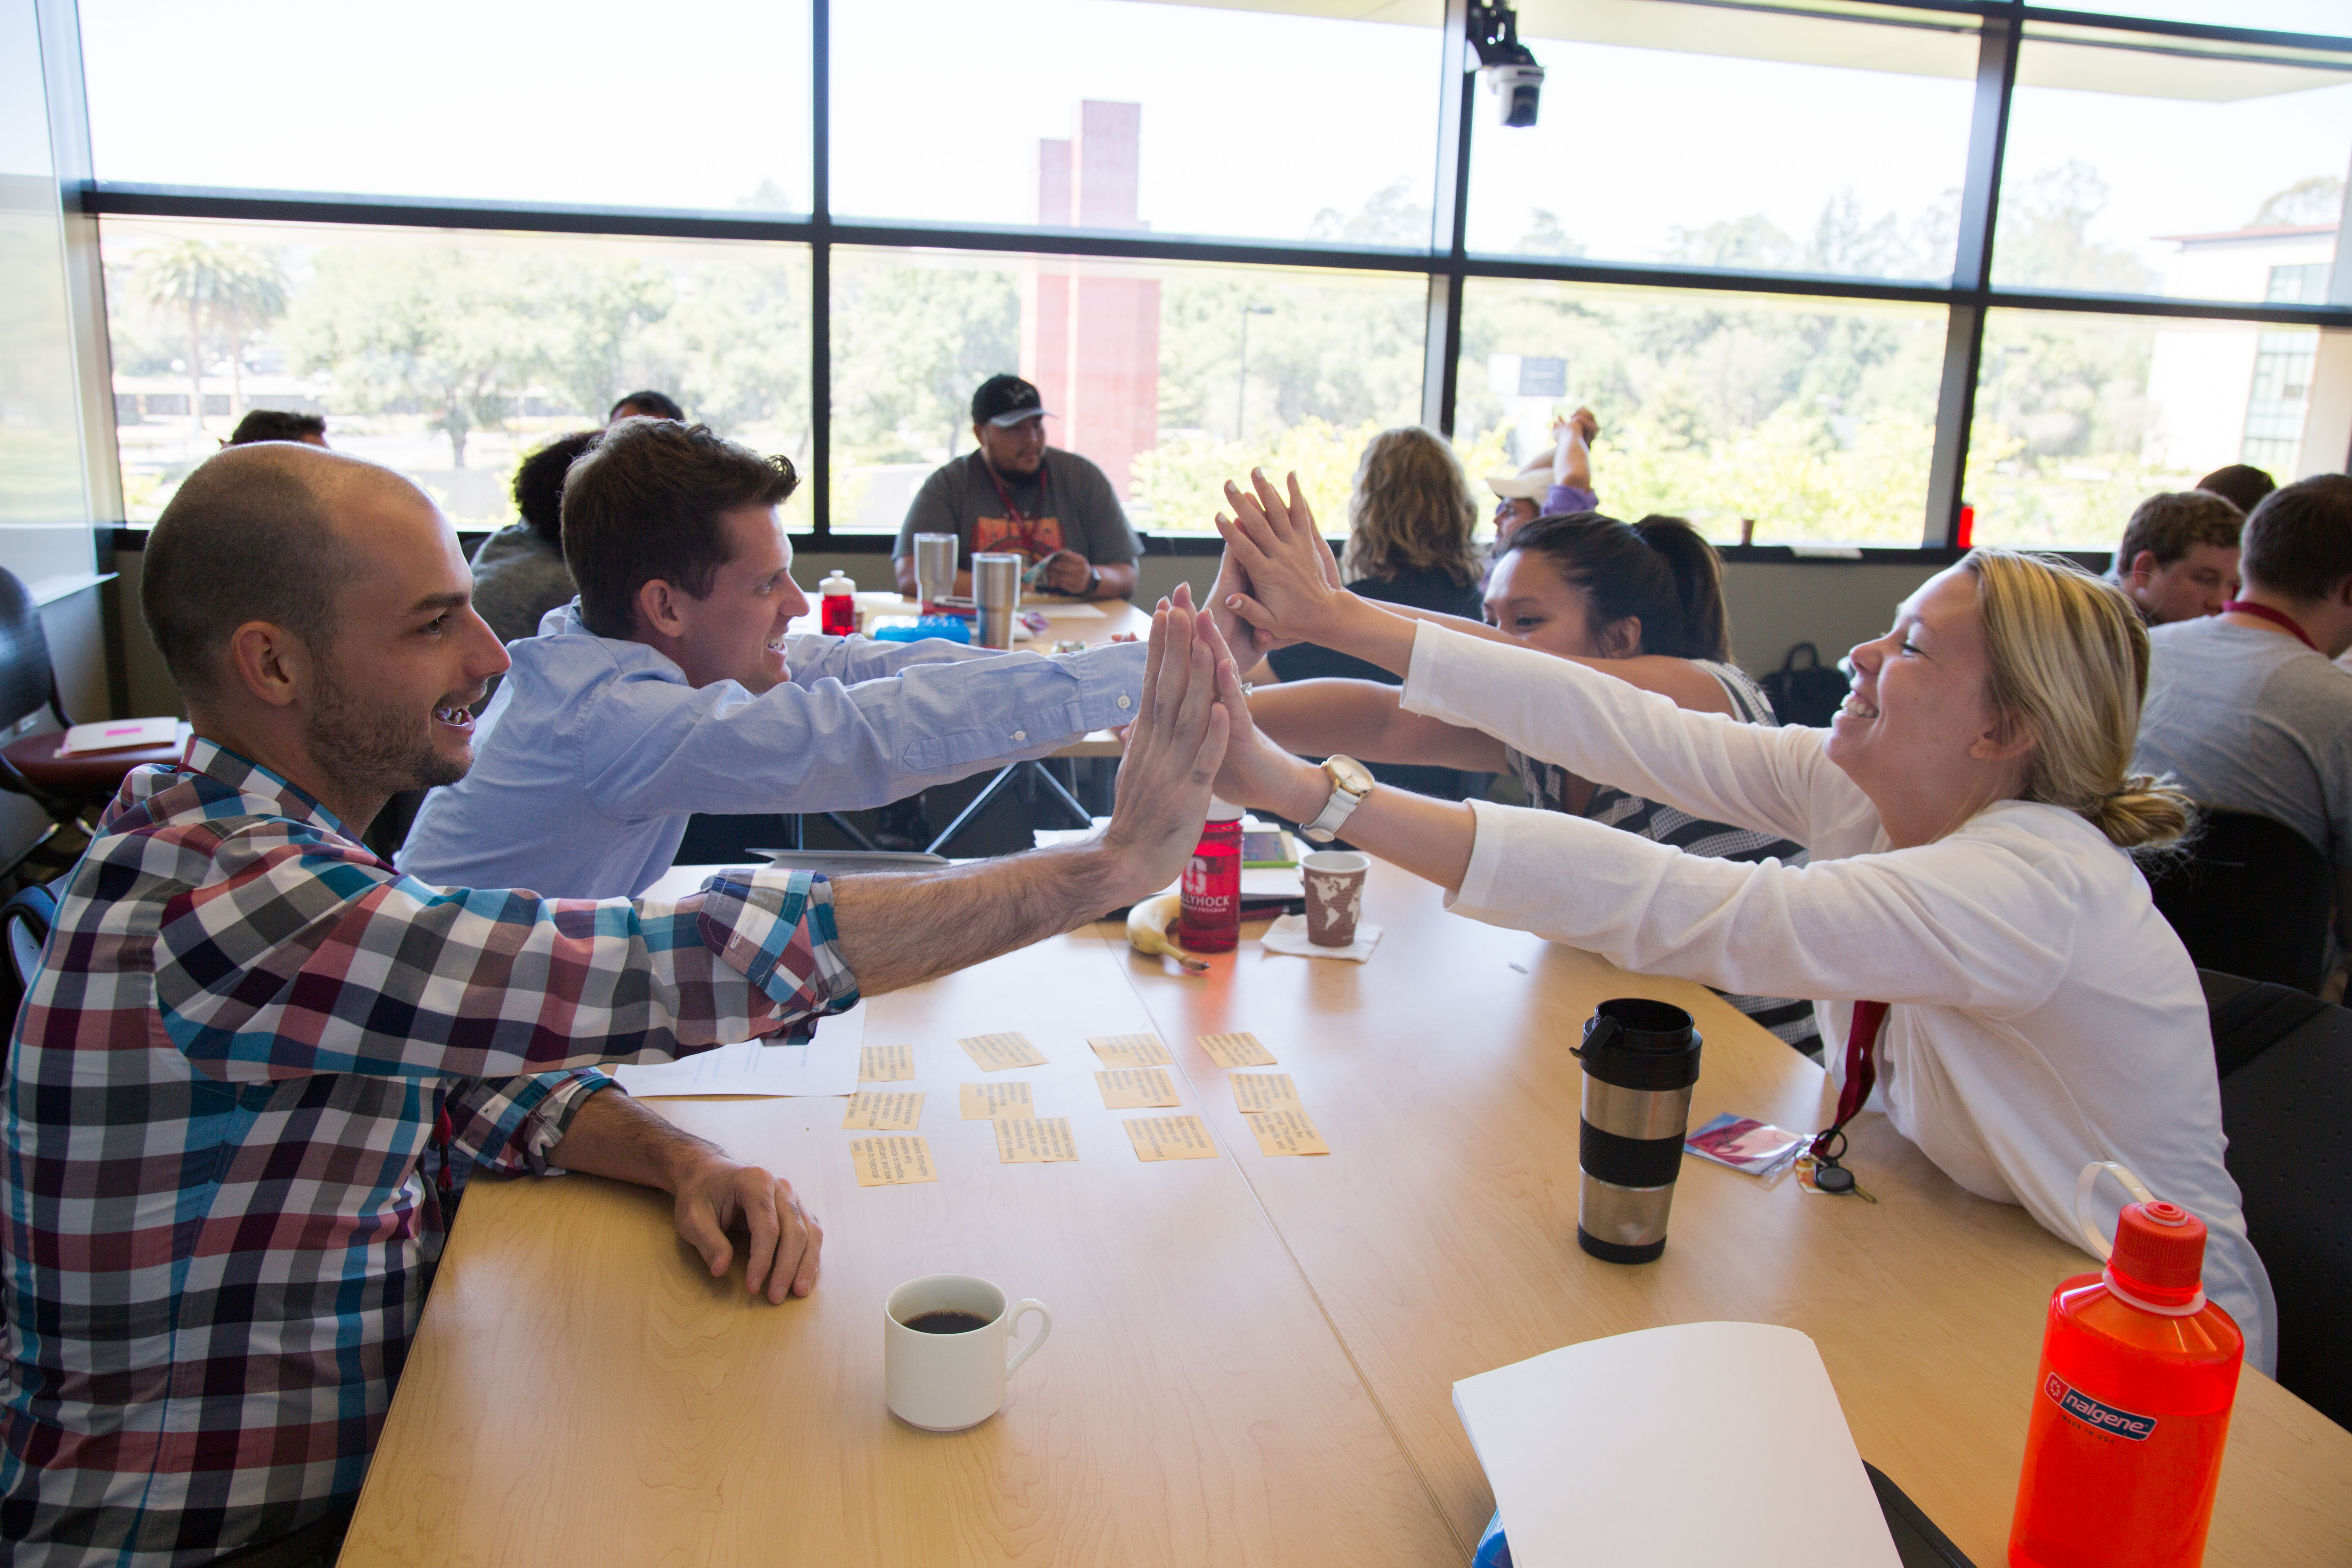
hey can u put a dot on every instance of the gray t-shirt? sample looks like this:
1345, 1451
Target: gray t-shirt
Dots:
2251, 720
517, 578
1067, 505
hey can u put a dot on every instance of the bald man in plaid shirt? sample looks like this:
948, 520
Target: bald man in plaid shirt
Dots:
258, 1062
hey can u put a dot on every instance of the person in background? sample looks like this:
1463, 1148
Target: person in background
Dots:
1410, 522
278, 425
1970, 816
519, 572
1014, 493
2246, 710
675, 686
2179, 558
646, 404
2240, 483
259, 1063
1550, 486
1642, 602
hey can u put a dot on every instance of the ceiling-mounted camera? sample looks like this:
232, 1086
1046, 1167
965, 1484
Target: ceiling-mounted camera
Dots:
1507, 65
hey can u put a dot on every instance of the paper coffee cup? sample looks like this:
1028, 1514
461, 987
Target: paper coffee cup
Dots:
1335, 895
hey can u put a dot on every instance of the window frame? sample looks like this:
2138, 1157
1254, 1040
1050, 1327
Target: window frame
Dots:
1447, 263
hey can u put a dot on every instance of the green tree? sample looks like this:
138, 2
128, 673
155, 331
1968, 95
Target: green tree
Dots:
910, 343
231, 288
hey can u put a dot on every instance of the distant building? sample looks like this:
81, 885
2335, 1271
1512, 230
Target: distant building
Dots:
2230, 392
1090, 337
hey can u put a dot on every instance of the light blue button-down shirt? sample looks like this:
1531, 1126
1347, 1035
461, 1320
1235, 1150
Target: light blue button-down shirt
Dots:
594, 750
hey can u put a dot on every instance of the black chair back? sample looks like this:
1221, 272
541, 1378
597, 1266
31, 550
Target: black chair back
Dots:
2287, 1110
2252, 897
27, 684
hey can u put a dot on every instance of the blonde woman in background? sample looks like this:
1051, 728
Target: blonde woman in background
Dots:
1410, 521
1971, 923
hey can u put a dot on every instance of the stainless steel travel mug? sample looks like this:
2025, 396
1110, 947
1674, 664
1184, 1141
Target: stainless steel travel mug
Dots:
996, 589
1640, 1058
935, 569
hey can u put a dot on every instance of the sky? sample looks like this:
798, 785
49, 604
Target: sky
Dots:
1253, 123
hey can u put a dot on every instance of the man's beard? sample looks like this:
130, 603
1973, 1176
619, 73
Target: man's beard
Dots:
380, 749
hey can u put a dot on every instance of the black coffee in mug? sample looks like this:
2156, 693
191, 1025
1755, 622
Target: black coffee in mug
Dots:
947, 1320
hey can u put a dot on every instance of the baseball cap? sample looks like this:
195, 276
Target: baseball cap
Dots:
1006, 400
1532, 485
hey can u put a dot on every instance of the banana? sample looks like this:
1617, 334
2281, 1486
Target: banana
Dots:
1147, 931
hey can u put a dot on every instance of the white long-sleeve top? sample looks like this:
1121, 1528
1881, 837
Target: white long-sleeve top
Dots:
2043, 1013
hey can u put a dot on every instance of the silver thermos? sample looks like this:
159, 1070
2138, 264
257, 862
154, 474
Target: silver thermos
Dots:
1640, 1058
996, 590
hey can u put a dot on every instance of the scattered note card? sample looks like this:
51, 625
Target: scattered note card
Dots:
1027, 1140
1170, 1138
991, 1102
892, 1161
1259, 1092
1133, 1088
884, 1111
1237, 1050
750, 1067
1131, 1051
886, 1064
1286, 1133
995, 1053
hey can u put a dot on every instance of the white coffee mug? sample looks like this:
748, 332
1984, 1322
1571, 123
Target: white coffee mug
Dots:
945, 1382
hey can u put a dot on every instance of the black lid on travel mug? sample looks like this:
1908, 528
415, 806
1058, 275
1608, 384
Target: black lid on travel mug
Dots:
1635, 1043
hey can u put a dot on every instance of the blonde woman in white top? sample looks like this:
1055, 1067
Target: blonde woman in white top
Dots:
1970, 818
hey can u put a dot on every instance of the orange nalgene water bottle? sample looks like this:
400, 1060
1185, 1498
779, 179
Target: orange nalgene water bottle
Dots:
2132, 1404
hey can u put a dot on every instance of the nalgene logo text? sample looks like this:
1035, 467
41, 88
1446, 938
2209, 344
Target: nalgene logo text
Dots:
2097, 1417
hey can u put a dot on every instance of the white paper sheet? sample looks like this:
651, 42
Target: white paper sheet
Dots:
829, 1066
1688, 1447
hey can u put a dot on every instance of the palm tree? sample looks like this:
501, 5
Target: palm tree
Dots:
237, 286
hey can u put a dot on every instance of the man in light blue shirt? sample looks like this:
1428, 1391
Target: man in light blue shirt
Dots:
671, 687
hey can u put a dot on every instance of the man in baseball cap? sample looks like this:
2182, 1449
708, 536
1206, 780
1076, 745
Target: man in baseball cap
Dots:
1014, 493
1559, 481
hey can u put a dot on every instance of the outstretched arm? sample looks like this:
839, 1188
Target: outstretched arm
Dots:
1363, 720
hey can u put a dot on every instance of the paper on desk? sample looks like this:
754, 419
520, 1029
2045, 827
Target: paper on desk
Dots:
892, 1161
886, 1064
1130, 1050
993, 1101
1158, 1138
1021, 1141
1643, 1447
748, 1069
1286, 1133
996, 1053
1134, 1089
1237, 1050
884, 1111
1261, 1091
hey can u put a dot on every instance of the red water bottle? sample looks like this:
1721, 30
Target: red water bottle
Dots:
2132, 1404
1212, 920
837, 610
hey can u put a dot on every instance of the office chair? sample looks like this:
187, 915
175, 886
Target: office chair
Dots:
2252, 897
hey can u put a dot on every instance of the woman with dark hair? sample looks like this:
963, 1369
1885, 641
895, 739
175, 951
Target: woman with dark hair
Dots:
1643, 602
1410, 522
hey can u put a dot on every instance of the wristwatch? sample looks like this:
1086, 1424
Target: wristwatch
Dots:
1350, 782
1093, 579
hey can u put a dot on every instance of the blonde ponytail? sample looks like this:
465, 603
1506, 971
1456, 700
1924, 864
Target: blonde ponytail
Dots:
2070, 660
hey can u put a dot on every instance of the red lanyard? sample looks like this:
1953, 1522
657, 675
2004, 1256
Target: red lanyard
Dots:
1861, 1073
2275, 618
1012, 514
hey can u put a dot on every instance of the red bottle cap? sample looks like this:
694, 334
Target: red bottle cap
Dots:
2159, 1253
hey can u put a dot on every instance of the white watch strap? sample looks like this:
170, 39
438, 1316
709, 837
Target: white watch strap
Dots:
1335, 811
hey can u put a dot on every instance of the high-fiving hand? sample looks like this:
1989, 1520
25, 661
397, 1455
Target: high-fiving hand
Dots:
1292, 582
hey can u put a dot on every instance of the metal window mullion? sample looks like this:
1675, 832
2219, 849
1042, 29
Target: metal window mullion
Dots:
821, 270
1956, 394
1449, 217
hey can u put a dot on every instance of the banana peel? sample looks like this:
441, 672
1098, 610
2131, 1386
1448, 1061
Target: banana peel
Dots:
1147, 931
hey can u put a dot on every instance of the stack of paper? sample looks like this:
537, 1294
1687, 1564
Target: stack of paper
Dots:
1698, 1445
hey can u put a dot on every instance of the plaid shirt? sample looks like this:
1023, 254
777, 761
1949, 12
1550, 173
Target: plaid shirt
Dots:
223, 1182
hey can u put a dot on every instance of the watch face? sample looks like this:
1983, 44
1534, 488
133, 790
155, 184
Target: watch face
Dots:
1350, 776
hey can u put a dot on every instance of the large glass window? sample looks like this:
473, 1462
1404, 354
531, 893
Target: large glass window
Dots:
2188, 170
1181, 118
2080, 416
446, 356
1717, 136
1171, 377
2325, 17
1814, 419
597, 102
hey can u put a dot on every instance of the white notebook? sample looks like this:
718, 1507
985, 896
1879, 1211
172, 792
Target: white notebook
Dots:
1689, 1447
118, 734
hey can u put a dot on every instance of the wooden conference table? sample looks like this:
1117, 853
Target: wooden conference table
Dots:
1251, 1358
